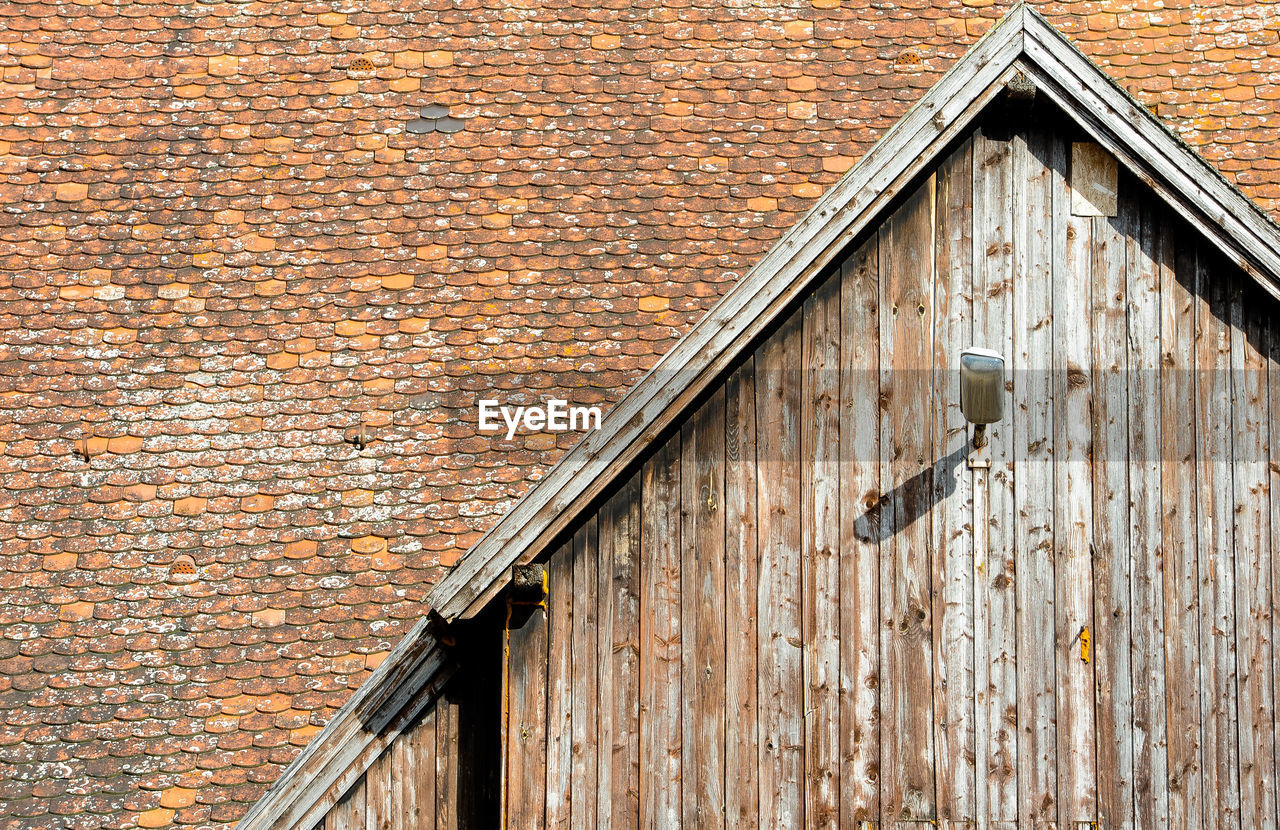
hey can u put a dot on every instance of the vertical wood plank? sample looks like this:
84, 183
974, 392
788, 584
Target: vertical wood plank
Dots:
560, 694
1037, 158
619, 658
1178, 526
1110, 643
1073, 510
820, 551
780, 697
449, 771
349, 812
1147, 252
660, 638
860, 537
526, 761
405, 794
1273, 446
404, 790
1214, 541
702, 575
1251, 531
742, 794
952, 531
586, 714
378, 793
995, 644
419, 806
906, 270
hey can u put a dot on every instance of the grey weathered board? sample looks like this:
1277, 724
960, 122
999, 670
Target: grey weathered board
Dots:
1039, 167
995, 651
804, 609
702, 615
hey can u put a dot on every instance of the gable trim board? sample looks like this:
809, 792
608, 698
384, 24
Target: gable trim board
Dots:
1023, 42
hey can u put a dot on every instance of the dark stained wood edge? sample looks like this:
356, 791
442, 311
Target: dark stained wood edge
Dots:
1273, 397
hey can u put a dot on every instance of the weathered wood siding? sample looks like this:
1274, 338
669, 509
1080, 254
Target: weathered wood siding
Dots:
442, 772
805, 610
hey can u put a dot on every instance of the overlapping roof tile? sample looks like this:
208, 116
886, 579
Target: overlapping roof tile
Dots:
224, 253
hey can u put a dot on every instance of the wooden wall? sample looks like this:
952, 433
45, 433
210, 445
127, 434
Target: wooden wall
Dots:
442, 772
805, 610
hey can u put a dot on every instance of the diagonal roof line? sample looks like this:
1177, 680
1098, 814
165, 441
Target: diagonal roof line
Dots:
1152, 152
411, 676
748, 308
1022, 41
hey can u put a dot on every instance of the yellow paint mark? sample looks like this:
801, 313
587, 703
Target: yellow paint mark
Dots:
1084, 644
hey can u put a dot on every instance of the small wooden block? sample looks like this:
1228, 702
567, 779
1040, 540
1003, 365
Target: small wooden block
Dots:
980, 457
527, 581
1094, 180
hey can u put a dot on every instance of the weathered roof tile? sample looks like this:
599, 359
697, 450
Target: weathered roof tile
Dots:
224, 252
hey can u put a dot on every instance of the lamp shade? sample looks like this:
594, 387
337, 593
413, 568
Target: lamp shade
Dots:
981, 385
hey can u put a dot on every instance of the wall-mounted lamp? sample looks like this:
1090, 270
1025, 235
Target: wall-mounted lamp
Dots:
981, 390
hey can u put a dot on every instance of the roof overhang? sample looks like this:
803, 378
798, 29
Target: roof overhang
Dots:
1022, 42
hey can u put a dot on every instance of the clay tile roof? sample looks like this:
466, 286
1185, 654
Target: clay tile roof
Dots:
226, 252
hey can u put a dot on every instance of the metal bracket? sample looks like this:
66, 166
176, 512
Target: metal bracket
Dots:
979, 451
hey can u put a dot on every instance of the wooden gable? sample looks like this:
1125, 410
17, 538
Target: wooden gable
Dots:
779, 596
804, 608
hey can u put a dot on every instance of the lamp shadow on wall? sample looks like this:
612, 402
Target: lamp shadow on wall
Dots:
909, 501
